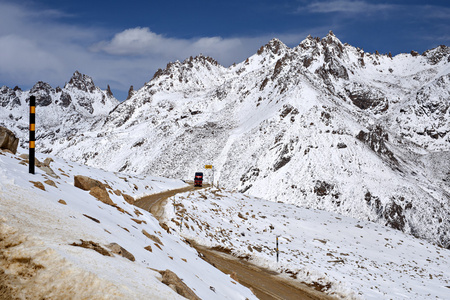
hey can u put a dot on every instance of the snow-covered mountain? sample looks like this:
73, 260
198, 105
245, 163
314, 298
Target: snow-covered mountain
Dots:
323, 125
60, 112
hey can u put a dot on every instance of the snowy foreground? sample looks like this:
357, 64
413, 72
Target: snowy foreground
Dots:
37, 230
347, 257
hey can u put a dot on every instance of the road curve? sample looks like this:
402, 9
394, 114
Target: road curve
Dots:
265, 284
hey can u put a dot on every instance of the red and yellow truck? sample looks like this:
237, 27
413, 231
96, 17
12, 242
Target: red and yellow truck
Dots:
198, 179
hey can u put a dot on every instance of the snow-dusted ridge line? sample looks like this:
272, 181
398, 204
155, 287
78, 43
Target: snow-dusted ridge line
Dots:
322, 125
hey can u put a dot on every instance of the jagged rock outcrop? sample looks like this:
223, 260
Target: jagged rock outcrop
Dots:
376, 139
86, 183
108, 92
8, 140
119, 250
81, 82
171, 279
368, 98
438, 54
95, 188
42, 91
131, 92
8, 97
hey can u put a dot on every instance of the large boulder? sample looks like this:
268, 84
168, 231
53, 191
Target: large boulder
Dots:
101, 195
95, 188
8, 140
86, 183
171, 279
119, 250
43, 166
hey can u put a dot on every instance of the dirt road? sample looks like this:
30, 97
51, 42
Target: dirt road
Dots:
265, 284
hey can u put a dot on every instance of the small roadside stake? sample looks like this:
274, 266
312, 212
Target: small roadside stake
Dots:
181, 223
278, 253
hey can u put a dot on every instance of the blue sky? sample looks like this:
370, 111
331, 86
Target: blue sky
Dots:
123, 43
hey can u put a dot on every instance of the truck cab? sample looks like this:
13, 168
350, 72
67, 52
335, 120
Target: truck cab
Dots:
198, 179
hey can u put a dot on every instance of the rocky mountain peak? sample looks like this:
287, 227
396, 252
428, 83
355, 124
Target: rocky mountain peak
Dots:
309, 42
190, 63
437, 54
332, 45
200, 59
131, 92
41, 86
108, 91
42, 91
274, 46
81, 82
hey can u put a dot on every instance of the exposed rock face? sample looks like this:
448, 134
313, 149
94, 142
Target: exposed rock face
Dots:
172, 280
119, 250
38, 184
368, 98
95, 188
108, 91
93, 246
86, 183
437, 54
8, 140
66, 99
128, 198
8, 97
323, 188
101, 194
82, 82
152, 237
86, 91
274, 46
376, 139
42, 91
131, 92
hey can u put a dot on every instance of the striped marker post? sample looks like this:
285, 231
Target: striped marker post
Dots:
32, 133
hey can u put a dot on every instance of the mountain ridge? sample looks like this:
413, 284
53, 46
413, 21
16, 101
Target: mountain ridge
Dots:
323, 125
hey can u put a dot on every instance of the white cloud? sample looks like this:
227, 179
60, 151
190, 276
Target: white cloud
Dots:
34, 48
345, 6
145, 43
137, 41
40, 45
354, 7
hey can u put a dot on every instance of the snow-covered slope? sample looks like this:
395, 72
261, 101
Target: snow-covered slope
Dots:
323, 125
347, 258
41, 233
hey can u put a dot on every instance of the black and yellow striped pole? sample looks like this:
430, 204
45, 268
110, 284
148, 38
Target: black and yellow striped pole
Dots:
32, 133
